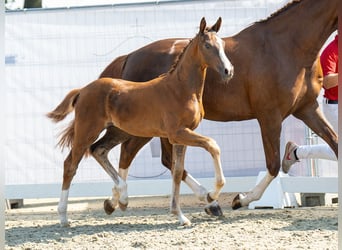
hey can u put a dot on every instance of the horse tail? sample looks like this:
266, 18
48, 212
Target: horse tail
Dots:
67, 136
60, 112
115, 68
65, 107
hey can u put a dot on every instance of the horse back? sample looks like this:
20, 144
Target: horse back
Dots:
153, 60
115, 68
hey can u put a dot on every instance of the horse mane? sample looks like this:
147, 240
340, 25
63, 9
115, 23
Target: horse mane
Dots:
281, 10
179, 57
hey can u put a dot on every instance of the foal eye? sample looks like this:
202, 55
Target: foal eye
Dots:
207, 46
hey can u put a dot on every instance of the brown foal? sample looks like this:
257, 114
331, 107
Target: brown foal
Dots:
169, 106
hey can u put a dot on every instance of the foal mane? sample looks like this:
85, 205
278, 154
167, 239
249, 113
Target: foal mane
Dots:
281, 10
179, 57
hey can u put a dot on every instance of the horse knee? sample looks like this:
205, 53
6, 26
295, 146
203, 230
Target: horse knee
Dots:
220, 183
177, 175
214, 148
274, 171
98, 151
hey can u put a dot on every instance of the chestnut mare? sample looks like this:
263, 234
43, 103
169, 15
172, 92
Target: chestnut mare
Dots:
276, 74
169, 106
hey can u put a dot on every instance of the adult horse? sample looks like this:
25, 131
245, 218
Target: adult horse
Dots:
174, 109
276, 74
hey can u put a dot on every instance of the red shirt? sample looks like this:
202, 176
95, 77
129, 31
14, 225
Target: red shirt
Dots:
329, 63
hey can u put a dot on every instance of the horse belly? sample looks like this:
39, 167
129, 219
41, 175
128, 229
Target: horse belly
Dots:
139, 127
138, 121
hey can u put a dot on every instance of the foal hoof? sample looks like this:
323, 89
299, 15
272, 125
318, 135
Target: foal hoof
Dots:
236, 204
122, 206
107, 206
65, 224
213, 209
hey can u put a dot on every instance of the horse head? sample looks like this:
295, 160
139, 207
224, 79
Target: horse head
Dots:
212, 49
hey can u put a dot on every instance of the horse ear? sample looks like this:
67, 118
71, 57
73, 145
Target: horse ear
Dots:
217, 25
203, 25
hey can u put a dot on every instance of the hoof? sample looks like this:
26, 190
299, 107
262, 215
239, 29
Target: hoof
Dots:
65, 224
236, 204
122, 206
213, 209
107, 206
186, 223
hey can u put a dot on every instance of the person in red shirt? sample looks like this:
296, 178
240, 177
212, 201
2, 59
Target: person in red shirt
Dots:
294, 152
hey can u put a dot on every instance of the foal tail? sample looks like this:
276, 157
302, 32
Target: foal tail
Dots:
65, 107
115, 68
60, 112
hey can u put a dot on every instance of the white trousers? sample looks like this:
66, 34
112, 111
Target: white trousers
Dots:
321, 151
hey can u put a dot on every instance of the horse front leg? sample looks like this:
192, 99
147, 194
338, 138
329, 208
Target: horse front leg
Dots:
211, 208
270, 130
191, 138
178, 155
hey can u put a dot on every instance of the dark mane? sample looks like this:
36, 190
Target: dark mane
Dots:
179, 57
174, 65
280, 11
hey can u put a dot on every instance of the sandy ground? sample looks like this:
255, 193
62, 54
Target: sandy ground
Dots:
147, 224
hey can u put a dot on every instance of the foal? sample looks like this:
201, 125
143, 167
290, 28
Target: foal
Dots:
169, 106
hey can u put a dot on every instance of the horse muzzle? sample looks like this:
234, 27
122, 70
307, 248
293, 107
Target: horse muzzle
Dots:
227, 73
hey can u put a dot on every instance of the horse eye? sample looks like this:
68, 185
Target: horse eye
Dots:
207, 46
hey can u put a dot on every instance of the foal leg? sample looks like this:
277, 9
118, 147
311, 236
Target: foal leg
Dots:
212, 208
70, 168
63, 200
191, 138
129, 149
178, 156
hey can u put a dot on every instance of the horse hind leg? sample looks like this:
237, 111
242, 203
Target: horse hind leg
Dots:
99, 151
80, 145
129, 149
270, 131
63, 200
70, 168
242, 200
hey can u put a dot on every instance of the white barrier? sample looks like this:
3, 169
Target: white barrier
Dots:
50, 52
281, 192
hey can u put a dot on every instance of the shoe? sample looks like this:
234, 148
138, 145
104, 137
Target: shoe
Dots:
289, 157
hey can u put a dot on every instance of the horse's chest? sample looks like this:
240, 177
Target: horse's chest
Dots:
194, 113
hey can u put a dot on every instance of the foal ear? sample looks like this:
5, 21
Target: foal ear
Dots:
217, 25
203, 25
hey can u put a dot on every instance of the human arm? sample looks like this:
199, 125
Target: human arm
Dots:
330, 80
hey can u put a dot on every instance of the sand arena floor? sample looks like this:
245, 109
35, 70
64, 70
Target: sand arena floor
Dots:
148, 224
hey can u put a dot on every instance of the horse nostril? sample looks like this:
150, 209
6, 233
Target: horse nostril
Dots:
228, 73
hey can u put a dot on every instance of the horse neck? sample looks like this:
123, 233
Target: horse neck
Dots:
307, 24
190, 71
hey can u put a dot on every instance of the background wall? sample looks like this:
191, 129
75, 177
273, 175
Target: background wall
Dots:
49, 52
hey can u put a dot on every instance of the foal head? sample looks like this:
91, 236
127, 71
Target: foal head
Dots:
211, 48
